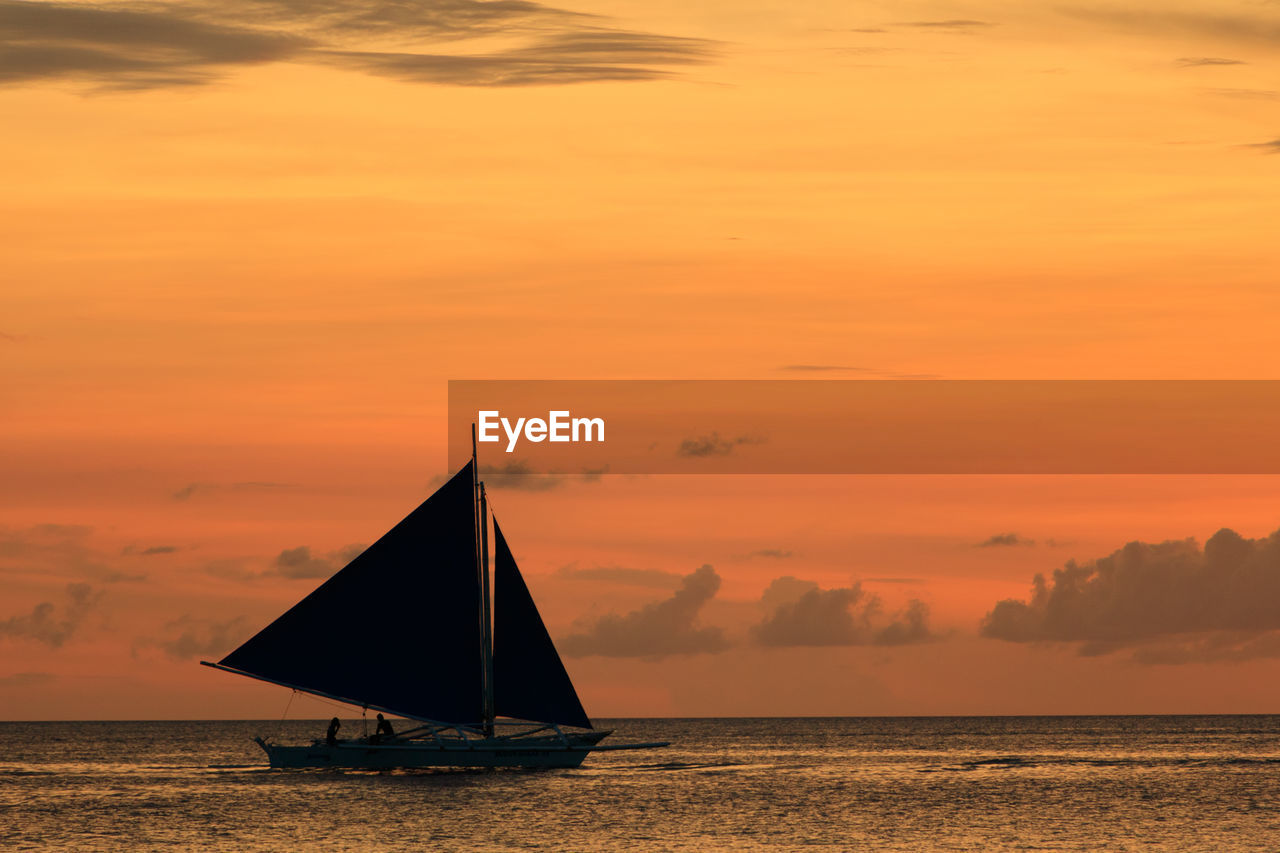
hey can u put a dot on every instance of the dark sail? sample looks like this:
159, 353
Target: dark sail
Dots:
398, 629
529, 680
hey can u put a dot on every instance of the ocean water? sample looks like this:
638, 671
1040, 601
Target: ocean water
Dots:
889, 784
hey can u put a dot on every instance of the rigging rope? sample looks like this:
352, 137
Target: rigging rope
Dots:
288, 705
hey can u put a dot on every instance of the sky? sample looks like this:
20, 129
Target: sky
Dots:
245, 245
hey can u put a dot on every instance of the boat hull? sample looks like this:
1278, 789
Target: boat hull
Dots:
551, 752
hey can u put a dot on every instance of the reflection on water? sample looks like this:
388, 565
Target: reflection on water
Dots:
1027, 783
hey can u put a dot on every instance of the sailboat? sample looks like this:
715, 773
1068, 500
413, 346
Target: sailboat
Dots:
409, 628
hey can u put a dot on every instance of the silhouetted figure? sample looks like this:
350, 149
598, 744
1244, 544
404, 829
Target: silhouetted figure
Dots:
384, 728
331, 736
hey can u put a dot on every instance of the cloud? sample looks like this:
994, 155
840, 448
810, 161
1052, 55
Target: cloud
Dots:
785, 590
1004, 540
822, 368
236, 569
1251, 94
13, 339
168, 44
1202, 61
772, 553
191, 638
25, 679
713, 445
409, 21
518, 475
593, 475
1255, 30
150, 551
951, 24
1175, 599
1222, 647
127, 48
300, 563
804, 614
55, 550
868, 371
583, 57
1272, 147
622, 575
192, 489
50, 624
657, 630
15, 540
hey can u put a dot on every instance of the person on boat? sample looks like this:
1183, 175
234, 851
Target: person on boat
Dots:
331, 736
384, 728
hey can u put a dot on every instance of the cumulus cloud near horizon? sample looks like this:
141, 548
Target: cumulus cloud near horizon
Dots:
1168, 602
657, 630
804, 614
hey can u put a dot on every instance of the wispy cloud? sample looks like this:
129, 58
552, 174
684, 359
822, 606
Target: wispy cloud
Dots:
158, 549
519, 475
189, 637
822, 368
301, 563
167, 44
1206, 61
128, 48
60, 550
25, 679
1272, 147
1005, 540
714, 444
657, 630
1261, 30
192, 489
53, 624
1250, 94
557, 59
772, 553
949, 24
865, 371
622, 575
150, 551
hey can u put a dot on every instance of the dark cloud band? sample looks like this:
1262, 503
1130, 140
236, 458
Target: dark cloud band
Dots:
170, 44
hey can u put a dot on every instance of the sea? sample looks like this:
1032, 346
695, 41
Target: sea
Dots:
1181, 783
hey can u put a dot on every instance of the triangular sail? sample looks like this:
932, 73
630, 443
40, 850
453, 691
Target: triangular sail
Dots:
530, 682
398, 629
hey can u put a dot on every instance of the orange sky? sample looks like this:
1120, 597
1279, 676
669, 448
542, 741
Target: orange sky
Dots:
232, 293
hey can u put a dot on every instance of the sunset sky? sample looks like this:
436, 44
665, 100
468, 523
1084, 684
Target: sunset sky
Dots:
245, 245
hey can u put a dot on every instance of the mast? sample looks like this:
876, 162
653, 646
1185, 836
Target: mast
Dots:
488, 612
482, 569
